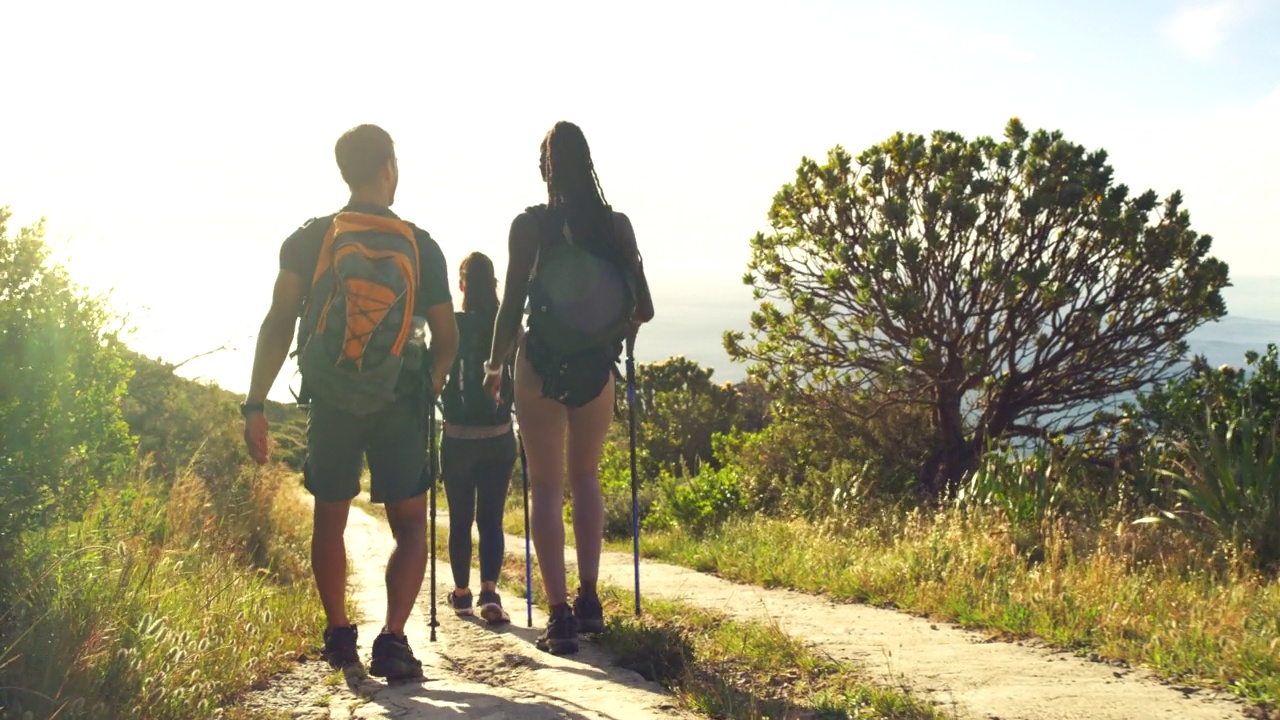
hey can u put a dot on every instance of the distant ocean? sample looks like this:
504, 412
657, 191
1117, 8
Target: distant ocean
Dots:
691, 322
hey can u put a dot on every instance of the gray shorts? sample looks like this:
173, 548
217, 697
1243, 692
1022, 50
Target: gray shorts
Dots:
394, 440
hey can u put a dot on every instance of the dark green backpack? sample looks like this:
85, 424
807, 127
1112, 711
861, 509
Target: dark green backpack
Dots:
464, 398
580, 308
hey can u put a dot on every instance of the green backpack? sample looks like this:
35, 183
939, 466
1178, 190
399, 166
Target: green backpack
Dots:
356, 339
580, 308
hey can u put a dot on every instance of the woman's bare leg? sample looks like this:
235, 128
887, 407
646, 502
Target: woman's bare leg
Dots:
542, 426
588, 426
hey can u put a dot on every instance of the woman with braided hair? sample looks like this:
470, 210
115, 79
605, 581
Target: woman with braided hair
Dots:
576, 261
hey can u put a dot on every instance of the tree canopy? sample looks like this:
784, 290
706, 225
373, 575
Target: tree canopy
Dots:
1008, 285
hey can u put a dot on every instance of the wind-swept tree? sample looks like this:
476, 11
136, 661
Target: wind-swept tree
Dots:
1007, 285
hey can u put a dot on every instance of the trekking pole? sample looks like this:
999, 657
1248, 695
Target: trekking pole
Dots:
635, 502
528, 560
431, 462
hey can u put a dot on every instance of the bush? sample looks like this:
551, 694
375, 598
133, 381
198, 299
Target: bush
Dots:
679, 410
808, 452
836, 492
700, 503
772, 462
149, 584
1175, 411
1229, 487
61, 378
1026, 489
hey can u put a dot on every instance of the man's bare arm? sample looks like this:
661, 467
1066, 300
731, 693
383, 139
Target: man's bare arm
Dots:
276, 334
444, 341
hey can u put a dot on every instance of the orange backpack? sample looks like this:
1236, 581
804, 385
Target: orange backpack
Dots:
357, 333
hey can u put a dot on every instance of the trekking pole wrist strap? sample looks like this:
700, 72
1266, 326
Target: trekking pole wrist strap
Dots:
491, 370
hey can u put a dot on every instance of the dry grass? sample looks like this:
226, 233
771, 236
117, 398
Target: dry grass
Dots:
160, 606
1129, 593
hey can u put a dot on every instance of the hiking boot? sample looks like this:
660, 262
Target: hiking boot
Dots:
340, 647
561, 635
461, 604
393, 659
491, 608
589, 613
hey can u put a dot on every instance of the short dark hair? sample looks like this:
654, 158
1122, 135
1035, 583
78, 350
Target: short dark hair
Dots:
362, 152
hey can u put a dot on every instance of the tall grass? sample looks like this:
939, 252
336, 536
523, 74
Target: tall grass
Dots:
154, 606
1195, 613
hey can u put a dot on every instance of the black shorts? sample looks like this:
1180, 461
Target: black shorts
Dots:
393, 439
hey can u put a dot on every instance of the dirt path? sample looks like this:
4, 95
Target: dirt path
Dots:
471, 671
960, 671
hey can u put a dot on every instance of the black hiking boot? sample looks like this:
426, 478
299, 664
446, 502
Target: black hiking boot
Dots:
589, 613
561, 635
491, 608
340, 648
393, 659
461, 604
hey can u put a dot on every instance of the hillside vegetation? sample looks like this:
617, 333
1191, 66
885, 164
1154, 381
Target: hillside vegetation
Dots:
149, 571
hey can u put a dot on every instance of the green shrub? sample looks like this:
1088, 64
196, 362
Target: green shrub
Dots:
615, 484
1027, 489
679, 410
700, 503
61, 378
1228, 488
781, 463
1175, 411
835, 492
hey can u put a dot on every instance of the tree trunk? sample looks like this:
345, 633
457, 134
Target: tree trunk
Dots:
943, 471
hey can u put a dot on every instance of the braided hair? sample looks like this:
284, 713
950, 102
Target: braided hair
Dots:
573, 189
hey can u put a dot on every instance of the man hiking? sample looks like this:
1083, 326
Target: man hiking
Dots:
361, 282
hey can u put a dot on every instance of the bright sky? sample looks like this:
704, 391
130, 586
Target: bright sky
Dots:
171, 149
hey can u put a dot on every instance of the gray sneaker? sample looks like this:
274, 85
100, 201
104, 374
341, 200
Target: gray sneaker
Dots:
461, 604
589, 613
491, 608
393, 659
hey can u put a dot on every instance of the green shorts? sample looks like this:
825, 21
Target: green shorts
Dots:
394, 440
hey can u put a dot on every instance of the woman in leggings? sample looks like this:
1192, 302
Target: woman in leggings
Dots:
478, 451
567, 396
